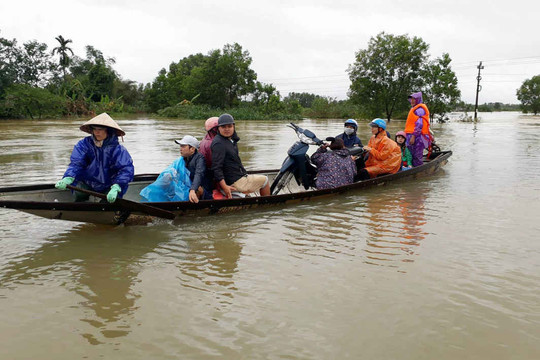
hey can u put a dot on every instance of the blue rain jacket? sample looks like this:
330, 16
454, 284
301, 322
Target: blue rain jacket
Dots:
101, 167
172, 184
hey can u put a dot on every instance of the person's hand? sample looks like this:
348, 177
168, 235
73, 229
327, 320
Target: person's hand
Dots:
65, 181
113, 193
411, 140
228, 191
367, 148
193, 196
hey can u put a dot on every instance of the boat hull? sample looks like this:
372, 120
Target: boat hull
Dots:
47, 202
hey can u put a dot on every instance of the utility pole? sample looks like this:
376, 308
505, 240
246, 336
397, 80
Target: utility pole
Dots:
478, 89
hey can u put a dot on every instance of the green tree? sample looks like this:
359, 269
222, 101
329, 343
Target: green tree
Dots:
305, 99
9, 69
95, 74
129, 91
218, 79
384, 74
156, 94
101, 80
263, 92
237, 78
62, 50
23, 100
36, 66
529, 95
441, 91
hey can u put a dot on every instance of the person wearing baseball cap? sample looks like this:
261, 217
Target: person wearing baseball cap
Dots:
196, 164
99, 162
227, 166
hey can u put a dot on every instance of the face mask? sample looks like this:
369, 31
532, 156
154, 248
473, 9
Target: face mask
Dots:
349, 131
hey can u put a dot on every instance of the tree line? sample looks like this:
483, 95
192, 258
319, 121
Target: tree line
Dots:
36, 82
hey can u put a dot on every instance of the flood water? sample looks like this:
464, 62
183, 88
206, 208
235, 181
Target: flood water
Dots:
445, 267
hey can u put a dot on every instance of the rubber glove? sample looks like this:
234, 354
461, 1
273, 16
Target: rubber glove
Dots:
65, 181
113, 193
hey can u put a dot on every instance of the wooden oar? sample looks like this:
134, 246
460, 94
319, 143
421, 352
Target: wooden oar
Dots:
130, 205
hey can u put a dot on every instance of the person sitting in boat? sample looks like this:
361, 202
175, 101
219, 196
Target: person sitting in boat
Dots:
406, 157
384, 154
99, 162
349, 136
211, 127
196, 164
417, 128
335, 168
227, 167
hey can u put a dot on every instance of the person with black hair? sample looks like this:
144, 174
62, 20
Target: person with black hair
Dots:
227, 166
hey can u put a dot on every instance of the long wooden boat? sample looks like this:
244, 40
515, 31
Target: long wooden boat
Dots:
46, 201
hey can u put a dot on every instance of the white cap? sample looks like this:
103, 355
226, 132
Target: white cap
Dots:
188, 140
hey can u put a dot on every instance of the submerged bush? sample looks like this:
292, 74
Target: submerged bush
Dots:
22, 101
241, 112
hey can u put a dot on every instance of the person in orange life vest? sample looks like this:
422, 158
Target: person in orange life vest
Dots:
417, 128
384, 154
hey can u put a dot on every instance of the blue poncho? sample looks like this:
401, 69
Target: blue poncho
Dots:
171, 185
101, 167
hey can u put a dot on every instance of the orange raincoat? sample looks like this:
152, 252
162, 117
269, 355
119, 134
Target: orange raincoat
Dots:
384, 157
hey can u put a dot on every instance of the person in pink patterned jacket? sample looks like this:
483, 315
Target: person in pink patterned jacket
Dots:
335, 168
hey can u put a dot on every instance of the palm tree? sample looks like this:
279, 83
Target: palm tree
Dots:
63, 50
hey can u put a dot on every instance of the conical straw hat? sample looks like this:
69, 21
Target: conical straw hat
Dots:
102, 120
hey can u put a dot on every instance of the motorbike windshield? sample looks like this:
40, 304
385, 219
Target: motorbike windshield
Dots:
305, 139
309, 134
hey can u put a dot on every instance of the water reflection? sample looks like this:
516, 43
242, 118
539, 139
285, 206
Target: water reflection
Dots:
396, 221
97, 263
211, 257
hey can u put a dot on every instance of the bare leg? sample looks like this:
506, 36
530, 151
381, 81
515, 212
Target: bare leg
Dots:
265, 191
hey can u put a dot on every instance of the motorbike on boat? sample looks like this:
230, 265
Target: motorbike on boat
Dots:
298, 164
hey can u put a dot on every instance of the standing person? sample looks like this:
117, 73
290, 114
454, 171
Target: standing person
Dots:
227, 166
335, 168
99, 162
196, 164
384, 155
406, 157
417, 128
211, 127
349, 136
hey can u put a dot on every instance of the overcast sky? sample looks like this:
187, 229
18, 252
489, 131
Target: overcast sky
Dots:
300, 46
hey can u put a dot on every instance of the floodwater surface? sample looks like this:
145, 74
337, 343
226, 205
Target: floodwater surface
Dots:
443, 267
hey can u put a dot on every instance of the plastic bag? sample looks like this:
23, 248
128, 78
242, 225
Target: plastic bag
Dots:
172, 184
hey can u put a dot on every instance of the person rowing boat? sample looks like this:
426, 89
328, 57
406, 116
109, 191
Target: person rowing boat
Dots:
98, 162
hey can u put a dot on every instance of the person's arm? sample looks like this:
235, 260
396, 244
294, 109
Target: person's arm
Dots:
77, 160
200, 169
383, 152
124, 169
408, 157
419, 124
218, 157
318, 155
